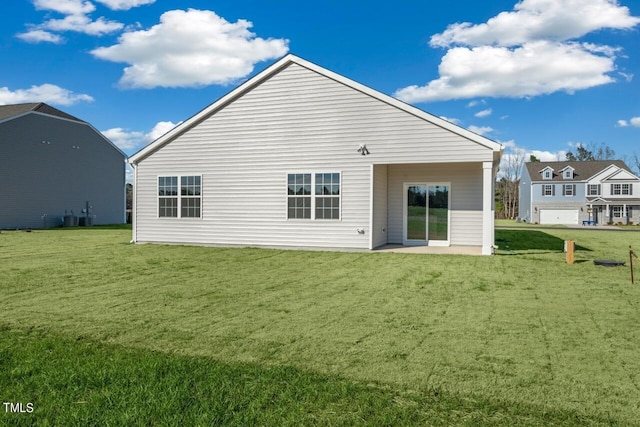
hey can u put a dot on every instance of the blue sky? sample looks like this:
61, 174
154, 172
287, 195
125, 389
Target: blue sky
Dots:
537, 75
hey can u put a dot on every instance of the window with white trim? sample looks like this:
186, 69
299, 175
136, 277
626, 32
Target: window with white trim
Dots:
569, 189
327, 195
548, 190
593, 190
321, 204
618, 212
621, 189
547, 174
190, 196
568, 174
299, 196
185, 203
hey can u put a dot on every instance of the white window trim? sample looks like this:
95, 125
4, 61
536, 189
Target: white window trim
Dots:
545, 172
566, 193
621, 191
597, 193
179, 196
545, 190
313, 196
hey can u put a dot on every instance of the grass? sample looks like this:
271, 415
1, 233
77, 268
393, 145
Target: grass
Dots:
254, 336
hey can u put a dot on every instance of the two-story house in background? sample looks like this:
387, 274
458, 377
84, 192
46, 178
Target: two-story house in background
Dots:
590, 192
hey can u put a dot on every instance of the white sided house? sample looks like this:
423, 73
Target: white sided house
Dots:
299, 156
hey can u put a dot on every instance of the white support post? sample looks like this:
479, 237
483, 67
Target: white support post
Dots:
487, 208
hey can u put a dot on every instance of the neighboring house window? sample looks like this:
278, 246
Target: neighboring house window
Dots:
327, 196
621, 189
569, 190
323, 203
547, 174
548, 190
568, 174
617, 212
593, 190
186, 203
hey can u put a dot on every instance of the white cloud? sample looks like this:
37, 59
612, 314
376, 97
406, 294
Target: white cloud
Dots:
48, 93
76, 19
451, 120
539, 20
65, 7
634, 121
124, 139
476, 103
536, 68
190, 48
627, 76
527, 52
40, 36
129, 141
160, 129
124, 4
83, 24
548, 156
484, 113
480, 130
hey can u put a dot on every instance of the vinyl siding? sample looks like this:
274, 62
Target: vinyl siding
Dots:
296, 121
559, 198
466, 198
49, 178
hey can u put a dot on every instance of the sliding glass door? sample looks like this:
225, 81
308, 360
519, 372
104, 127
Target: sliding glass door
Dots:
426, 214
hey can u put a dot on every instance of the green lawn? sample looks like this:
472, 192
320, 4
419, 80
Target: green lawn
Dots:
95, 330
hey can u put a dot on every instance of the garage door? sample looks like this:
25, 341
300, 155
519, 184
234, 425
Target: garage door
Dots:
558, 216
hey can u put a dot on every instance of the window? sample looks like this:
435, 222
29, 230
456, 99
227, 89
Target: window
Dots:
593, 190
617, 212
327, 196
621, 189
168, 196
547, 174
548, 190
186, 204
568, 174
299, 196
190, 188
569, 190
323, 203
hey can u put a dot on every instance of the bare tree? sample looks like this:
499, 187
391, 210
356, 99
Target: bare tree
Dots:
507, 188
633, 162
591, 152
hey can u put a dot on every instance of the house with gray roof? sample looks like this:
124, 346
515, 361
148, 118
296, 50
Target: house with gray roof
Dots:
300, 156
588, 193
52, 163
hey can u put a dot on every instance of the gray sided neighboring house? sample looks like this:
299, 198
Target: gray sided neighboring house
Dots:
589, 193
52, 163
299, 156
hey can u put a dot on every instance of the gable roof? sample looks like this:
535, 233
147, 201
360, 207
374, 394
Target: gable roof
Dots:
281, 65
8, 112
582, 171
14, 110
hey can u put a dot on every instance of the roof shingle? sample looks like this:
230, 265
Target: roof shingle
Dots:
8, 111
582, 170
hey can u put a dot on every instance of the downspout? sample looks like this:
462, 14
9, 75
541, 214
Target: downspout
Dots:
134, 204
